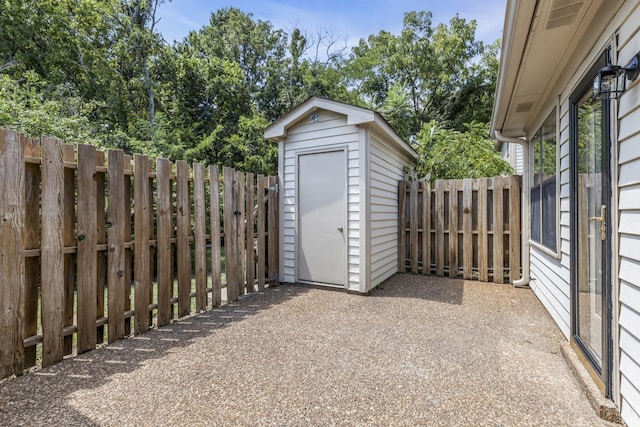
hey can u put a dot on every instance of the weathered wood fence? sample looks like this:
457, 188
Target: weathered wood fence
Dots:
462, 228
92, 248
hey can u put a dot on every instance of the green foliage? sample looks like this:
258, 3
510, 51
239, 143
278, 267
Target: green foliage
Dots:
36, 109
451, 154
98, 71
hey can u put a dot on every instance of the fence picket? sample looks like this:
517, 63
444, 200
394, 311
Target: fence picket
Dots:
142, 255
250, 237
165, 233
467, 229
12, 267
87, 256
183, 207
453, 228
440, 189
413, 225
426, 228
483, 239
273, 254
498, 230
214, 188
200, 219
52, 263
230, 232
241, 231
262, 262
115, 243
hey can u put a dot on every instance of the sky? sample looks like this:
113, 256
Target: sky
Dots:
346, 20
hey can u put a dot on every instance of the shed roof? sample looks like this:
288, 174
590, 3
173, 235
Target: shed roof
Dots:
277, 130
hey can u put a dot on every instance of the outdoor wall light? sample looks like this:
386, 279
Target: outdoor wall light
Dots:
314, 116
611, 80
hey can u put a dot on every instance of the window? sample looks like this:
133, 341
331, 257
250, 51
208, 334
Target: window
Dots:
543, 189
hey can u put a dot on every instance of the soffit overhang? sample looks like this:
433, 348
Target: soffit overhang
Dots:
544, 43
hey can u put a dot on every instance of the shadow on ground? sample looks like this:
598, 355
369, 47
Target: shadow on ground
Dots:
49, 387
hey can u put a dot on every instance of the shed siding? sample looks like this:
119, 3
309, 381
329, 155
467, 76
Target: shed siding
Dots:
629, 228
386, 169
330, 132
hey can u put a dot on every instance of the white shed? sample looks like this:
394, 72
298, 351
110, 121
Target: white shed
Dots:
339, 167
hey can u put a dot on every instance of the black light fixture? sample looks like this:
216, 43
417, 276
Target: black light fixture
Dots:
611, 80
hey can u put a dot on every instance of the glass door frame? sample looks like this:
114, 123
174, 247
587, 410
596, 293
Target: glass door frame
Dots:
603, 371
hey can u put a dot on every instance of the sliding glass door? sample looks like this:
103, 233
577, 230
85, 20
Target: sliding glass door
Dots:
591, 284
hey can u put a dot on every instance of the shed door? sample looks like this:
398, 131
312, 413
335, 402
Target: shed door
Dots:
322, 209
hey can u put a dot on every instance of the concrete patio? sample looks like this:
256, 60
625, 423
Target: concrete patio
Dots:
417, 351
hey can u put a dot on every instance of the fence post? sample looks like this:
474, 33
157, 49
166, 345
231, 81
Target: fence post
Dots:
52, 262
12, 267
273, 233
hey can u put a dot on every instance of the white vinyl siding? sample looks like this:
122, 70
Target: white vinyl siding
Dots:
513, 154
386, 169
629, 228
330, 132
550, 274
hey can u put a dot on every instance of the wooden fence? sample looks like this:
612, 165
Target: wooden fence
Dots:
462, 228
92, 248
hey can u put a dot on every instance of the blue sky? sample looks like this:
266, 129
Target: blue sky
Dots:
346, 20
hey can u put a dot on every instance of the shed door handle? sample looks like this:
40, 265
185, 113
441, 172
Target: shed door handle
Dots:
340, 228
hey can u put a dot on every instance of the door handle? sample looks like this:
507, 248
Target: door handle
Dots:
340, 228
603, 221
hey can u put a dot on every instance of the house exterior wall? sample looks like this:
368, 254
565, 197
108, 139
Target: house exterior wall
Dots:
512, 153
331, 132
386, 169
628, 196
550, 273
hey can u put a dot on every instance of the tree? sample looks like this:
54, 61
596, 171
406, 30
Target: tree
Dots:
451, 154
434, 65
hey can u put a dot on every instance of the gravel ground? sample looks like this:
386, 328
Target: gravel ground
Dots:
416, 352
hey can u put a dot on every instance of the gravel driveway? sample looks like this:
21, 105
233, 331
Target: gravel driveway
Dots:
419, 351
